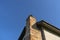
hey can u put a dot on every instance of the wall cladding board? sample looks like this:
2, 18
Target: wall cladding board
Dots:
50, 36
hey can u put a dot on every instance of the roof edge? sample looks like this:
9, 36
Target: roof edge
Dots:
49, 26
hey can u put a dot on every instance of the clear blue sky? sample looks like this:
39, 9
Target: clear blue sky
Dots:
13, 14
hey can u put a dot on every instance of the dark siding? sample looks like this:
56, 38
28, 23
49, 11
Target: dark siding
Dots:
22, 34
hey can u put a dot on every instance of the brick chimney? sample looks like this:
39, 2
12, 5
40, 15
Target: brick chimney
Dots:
32, 32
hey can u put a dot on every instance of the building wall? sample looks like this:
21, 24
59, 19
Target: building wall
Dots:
50, 36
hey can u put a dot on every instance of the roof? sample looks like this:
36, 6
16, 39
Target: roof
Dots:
48, 26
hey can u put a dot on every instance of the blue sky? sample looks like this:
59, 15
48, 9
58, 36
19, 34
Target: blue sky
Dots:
13, 14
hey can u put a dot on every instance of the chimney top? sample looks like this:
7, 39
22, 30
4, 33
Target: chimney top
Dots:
29, 17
